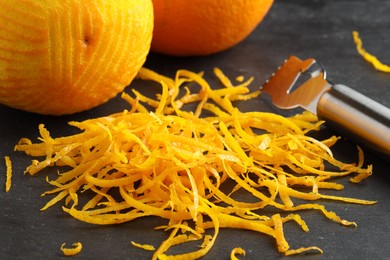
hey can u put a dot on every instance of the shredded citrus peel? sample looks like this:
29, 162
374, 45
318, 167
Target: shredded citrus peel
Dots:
237, 251
368, 56
71, 251
188, 167
8, 173
143, 246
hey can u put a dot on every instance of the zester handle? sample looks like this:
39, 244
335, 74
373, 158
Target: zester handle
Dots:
356, 117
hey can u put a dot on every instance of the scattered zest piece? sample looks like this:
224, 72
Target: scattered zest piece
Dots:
143, 246
236, 251
71, 251
8, 165
367, 56
304, 249
188, 166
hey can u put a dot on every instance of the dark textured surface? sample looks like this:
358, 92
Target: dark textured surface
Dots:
310, 28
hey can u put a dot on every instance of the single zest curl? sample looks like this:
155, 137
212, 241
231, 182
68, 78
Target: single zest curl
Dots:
77, 247
374, 61
8, 173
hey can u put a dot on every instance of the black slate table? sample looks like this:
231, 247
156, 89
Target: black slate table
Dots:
321, 29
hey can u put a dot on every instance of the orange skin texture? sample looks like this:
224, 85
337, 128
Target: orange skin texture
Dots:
65, 56
203, 27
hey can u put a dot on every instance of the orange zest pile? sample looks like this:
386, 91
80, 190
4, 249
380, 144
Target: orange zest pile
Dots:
189, 166
368, 56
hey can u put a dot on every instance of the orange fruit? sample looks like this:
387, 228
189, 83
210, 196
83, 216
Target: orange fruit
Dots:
65, 56
202, 27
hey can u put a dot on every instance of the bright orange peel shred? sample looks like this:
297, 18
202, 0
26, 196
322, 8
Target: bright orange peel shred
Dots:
370, 58
8, 173
71, 251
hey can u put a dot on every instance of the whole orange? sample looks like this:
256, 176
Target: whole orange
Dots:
202, 27
65, 56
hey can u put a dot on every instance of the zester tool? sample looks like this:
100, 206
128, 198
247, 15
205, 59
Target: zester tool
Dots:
303, 83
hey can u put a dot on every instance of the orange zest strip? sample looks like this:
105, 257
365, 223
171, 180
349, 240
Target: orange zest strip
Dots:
377, 64
71, 251
237, 251
8, 165
143, 246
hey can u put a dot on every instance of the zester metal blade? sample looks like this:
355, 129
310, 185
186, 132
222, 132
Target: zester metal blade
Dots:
297, 83
302, 83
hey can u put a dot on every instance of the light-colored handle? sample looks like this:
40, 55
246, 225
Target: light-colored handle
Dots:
357, 117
